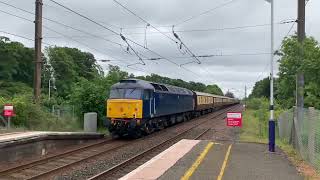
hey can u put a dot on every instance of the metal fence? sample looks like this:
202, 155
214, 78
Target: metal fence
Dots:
303, 135
63, 111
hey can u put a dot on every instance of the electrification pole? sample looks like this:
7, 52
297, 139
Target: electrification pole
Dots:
271, 120
38, 54
300, 76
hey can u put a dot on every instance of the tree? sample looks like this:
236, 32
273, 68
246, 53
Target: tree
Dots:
214, 89
261, 89
229, 94
90, 95
69, 65
290, 63
16, 62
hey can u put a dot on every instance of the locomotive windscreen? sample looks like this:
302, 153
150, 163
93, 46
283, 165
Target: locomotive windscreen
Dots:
130, 93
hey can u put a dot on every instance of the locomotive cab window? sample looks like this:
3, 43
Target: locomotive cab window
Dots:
130, 93
147, 94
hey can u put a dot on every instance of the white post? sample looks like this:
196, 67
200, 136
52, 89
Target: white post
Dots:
49, 89
271, 120
271, 62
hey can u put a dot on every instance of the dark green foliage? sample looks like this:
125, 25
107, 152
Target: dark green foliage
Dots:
69, 66
90, 96
16, 62
36, 117
229, 94
214, 89
9, 89
261, 89
290, 63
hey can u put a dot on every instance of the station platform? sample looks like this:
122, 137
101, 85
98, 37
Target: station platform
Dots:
19, 147
16, 138
193, 159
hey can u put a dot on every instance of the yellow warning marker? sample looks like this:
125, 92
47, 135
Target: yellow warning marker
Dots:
196, 164
224, 163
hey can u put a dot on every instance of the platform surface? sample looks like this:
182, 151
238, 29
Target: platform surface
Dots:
16, 137
190, 159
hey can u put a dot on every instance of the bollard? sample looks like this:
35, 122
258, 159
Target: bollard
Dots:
90, 122
311, 134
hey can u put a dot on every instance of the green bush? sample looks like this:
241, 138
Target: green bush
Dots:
90, 96
35, 117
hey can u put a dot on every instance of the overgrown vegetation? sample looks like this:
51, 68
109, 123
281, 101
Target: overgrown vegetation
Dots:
256, 117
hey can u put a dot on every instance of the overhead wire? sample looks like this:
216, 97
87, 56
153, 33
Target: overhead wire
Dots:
195, 30
99, 24
21, 36
61, 24
145, 21
203, 13
185, 31
142, 19
50, 29
65, 36
186, 47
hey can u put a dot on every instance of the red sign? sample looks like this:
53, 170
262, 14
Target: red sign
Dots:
234, 119
8, 111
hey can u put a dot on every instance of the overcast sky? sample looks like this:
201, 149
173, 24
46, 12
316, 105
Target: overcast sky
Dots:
231, 69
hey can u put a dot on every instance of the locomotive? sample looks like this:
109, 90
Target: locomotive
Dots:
137, 107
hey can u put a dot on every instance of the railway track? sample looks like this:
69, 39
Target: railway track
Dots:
127, 166
50, 166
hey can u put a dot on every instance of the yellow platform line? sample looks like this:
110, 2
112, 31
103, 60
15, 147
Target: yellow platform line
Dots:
196, 164
224, 163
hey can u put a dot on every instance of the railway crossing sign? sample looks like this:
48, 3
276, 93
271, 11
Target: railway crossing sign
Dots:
234, 119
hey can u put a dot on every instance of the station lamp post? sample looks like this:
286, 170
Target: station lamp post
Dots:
271, 120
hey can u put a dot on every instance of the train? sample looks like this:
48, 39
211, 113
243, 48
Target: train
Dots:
137, 107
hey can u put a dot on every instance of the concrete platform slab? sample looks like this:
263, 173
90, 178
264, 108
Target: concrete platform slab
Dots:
11, 139
196, 160
154, 168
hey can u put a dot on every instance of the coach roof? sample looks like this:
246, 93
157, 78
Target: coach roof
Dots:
142, 84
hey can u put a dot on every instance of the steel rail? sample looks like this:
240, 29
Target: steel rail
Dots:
52, 157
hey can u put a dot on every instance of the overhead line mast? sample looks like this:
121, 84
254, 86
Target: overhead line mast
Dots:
38, 53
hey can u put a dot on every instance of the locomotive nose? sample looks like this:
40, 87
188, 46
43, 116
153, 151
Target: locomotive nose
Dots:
124, 108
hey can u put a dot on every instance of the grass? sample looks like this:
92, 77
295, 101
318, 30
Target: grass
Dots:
254, 129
